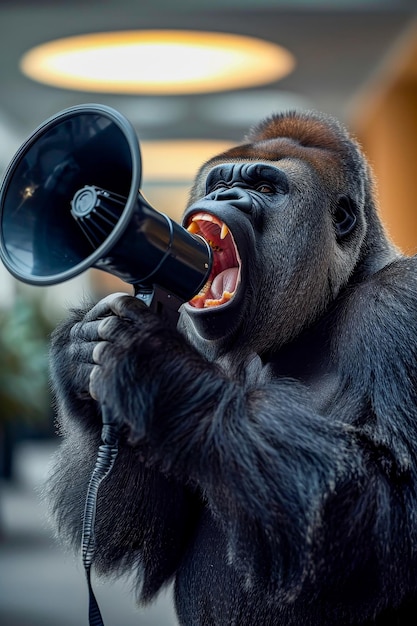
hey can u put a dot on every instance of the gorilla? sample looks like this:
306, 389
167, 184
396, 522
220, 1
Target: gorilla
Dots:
267, 462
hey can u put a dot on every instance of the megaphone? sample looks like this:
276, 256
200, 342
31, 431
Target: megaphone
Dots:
71, 200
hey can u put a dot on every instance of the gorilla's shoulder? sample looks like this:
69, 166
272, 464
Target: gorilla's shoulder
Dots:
377, 321
391, 289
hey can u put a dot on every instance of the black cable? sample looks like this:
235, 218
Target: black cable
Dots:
106, 456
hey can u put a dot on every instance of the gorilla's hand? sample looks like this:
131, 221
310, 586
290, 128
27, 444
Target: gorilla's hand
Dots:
143, 368
71, 361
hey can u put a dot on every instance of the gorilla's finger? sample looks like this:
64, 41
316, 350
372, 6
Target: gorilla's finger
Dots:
85, 331
81, 352
129, 307
99, 352
113, 327
93, 387
107, 326
102, 308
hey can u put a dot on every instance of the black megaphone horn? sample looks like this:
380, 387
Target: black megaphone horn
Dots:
71, 200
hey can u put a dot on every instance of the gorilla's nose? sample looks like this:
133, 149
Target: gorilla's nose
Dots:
232, 196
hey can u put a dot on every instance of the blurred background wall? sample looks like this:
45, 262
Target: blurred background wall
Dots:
383, 113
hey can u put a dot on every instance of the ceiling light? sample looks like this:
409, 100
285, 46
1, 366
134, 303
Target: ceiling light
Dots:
157, 62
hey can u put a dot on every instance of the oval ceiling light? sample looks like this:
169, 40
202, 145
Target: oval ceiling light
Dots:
157, 62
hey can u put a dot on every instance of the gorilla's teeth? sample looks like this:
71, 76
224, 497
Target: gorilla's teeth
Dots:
224, 231
193, 227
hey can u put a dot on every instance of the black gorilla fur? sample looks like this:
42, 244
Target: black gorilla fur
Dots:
268, 454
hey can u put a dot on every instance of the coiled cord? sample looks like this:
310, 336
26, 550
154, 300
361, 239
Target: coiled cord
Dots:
106, 457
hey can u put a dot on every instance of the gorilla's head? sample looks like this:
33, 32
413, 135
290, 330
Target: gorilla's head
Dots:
290, 217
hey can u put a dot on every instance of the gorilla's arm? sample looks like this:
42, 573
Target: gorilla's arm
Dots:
144, 518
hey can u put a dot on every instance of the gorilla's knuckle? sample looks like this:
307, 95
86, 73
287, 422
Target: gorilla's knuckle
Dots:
107, 326
100, 351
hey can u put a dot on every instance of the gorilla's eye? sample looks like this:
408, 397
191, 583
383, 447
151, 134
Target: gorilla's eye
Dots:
264, 188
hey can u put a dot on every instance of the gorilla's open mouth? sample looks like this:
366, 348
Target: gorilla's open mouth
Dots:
225, 273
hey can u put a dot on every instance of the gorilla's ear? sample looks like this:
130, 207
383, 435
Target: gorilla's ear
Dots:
344, 217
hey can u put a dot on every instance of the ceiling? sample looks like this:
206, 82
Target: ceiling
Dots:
338, 45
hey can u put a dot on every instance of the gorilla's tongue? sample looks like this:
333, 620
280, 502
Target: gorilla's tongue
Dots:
222, 287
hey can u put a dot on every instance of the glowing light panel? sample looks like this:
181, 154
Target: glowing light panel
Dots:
157, 62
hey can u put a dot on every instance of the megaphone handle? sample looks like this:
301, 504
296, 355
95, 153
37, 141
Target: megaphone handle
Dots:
162, 302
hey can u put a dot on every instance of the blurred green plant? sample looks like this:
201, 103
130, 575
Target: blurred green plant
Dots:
24, 337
